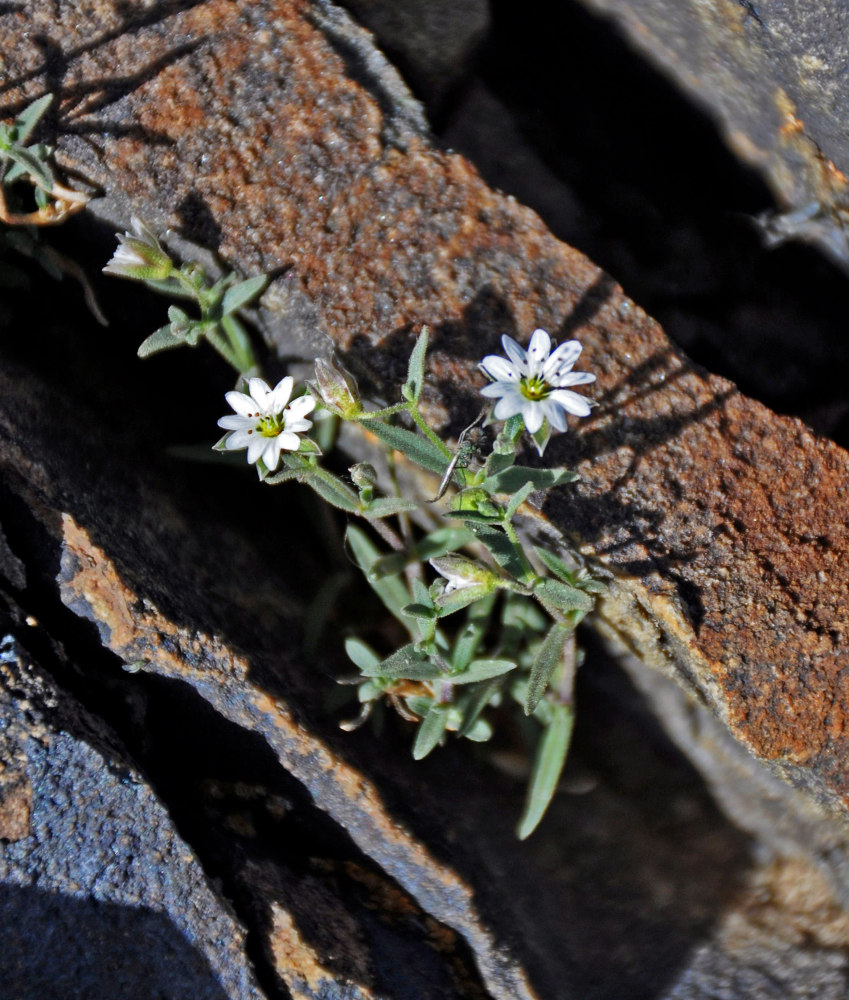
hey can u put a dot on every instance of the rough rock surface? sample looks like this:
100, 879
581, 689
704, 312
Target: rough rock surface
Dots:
272, 133
99, 896
773, 75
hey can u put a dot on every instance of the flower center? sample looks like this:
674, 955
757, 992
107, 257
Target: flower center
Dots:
271, 425
534, 387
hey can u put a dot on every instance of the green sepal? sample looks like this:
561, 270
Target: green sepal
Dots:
549, 657
239, 295
161, 340
550, 757
456, 600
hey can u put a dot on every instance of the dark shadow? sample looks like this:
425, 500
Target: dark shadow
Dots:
197, 219
58, 947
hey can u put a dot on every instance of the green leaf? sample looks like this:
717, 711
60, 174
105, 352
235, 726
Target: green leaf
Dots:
412, 388
548, 766
474, 517
389, 589
564, 597
30, 117
430, 731
362, 655
36, 168
241, 294
162, 340
498, 462
482, 670
500, 547
421, 612
335, 493
555, 565
420, 704
413, 446
517, 500
480, 698
480, 732
407, 663
387, 506
513, 479
549, 657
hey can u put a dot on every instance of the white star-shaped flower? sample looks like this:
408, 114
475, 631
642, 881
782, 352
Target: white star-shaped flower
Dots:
535, 383
265, 422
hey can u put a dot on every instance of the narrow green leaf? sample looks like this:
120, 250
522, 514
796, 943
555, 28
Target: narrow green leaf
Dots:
548, 659
430, 731
555, 565
500, 547
480, 698
551, 754
419, 704
389, 589
519, 497
335, 493
241, 294
513, 479
413, 446
36, 168
412, 388
30, 117
287, 475
482, 670
161, 340
421, 612
388, 506
406, 663
563, 596
362, 655
498, 462
480, 732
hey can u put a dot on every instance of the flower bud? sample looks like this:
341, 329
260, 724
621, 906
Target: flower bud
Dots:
337, 389
462, 573
363, 475
140, 255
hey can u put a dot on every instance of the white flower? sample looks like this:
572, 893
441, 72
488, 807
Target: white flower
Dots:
535, 382
139, 255
264, 423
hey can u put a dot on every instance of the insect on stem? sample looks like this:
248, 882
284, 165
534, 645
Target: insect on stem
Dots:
461, 453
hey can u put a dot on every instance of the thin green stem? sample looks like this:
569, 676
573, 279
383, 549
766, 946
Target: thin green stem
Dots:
386, 411
223, 347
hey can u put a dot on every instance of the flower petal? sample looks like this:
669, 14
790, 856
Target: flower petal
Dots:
554, 414
509, 405
238, 439
260, 391
299, 408
280, 395
538, 351
288, 441
499, 368
571, 402
573, 378
241, 403
271, 454
533, 414
562, 358
498, 389
234, 422
256, 447
515, 353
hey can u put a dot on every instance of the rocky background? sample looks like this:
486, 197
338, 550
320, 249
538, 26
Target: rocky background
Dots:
179, 814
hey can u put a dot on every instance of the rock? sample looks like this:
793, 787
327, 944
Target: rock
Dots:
99, 895
773, 77
434, 45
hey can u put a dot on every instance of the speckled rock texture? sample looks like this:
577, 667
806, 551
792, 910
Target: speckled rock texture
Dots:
99, 895
274, 134
773, 75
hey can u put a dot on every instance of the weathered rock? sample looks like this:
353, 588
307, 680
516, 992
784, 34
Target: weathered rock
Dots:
434, 45
99, 896
773, 75
244, 124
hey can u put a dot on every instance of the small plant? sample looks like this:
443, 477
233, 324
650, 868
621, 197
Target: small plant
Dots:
489, 621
